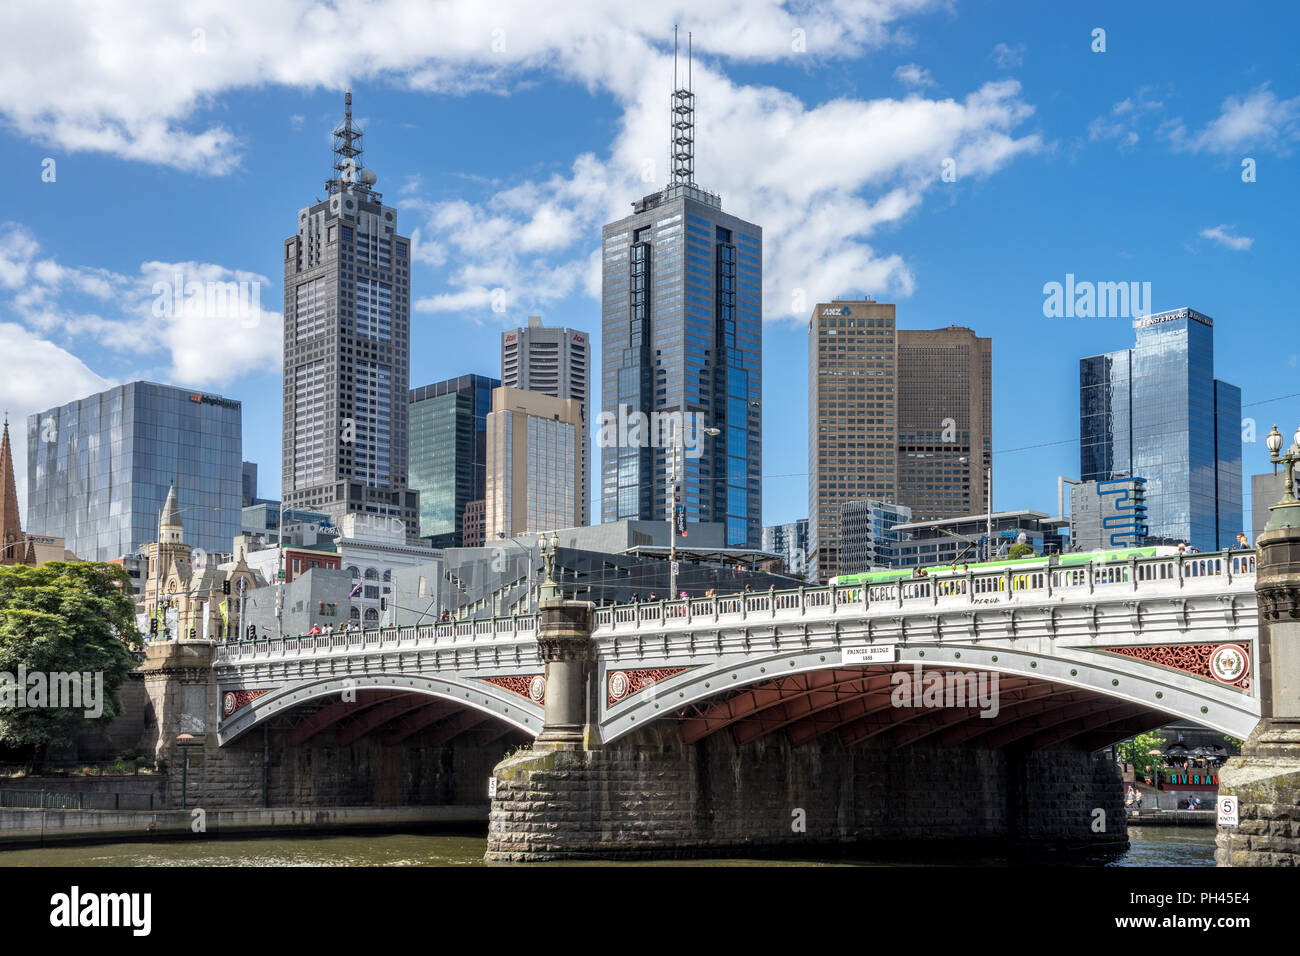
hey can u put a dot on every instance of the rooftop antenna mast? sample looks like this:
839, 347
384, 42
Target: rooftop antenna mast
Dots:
347, 153
682, 150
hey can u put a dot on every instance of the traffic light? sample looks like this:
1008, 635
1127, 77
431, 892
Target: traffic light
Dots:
225, 586
153, 625
251, 632
383, 604
193, 633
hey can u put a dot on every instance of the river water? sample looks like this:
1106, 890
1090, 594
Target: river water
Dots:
1151, 846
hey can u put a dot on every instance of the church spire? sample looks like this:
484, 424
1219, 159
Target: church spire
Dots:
170, 530
11, 532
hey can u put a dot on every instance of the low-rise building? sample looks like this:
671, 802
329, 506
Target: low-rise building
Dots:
1108, 514
964, 540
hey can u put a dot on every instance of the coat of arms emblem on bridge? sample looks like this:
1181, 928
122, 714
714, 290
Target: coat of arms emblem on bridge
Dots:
532, 686
1226, 663
626, 683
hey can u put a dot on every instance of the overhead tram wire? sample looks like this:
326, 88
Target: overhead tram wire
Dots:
1065, 441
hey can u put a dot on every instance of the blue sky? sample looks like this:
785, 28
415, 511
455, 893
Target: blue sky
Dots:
186, 137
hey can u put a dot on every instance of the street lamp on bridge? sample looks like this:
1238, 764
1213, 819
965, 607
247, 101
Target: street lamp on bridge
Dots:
1287, 511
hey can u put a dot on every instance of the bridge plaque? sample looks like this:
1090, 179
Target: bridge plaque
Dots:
869, 654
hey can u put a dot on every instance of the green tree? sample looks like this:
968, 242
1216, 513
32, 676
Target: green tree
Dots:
66, 618
1020, 551
1136, 750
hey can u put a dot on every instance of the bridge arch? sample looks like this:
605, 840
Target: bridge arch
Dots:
1112, 690
518, 712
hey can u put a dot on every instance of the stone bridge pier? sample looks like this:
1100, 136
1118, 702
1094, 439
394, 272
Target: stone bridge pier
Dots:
1265, 779
656, 793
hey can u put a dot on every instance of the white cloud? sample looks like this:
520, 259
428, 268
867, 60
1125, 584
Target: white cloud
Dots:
915, 76
139, 81
1258, 120
1124, 119
17, 249
1009, 57
1225, 236
826, 177
835, 173
215, 330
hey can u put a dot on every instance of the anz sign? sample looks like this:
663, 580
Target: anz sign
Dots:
844, 310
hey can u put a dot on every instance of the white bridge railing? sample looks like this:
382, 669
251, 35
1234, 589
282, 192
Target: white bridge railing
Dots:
426, 637
1217, 572
1198, 573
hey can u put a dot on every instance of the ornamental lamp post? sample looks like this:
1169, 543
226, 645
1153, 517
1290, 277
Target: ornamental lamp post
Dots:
1285, 513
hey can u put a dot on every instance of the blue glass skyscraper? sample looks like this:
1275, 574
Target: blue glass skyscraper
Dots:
448, 423
1157, 412
100, 468
682, 334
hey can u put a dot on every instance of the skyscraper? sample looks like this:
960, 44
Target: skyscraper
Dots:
554, 361
1156, 411
347, 287
449, 452
852, 433
891, 414
532, 463
945, 414
99, 469
682, 337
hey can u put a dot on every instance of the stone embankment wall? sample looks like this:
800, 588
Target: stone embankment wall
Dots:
322, 774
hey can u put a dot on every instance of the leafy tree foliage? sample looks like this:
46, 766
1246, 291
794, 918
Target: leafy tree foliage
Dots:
63, 617
1136, 750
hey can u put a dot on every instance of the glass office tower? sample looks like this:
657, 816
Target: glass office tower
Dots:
99, 469
448, 452
682, 335
1157, 412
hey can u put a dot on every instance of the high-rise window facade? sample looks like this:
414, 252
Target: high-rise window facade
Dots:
532, 463
449, 452
945, 415
555, 362
852, 369
1157, 412
99, 469
892, 413
682, 336
346, 349
867, 536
